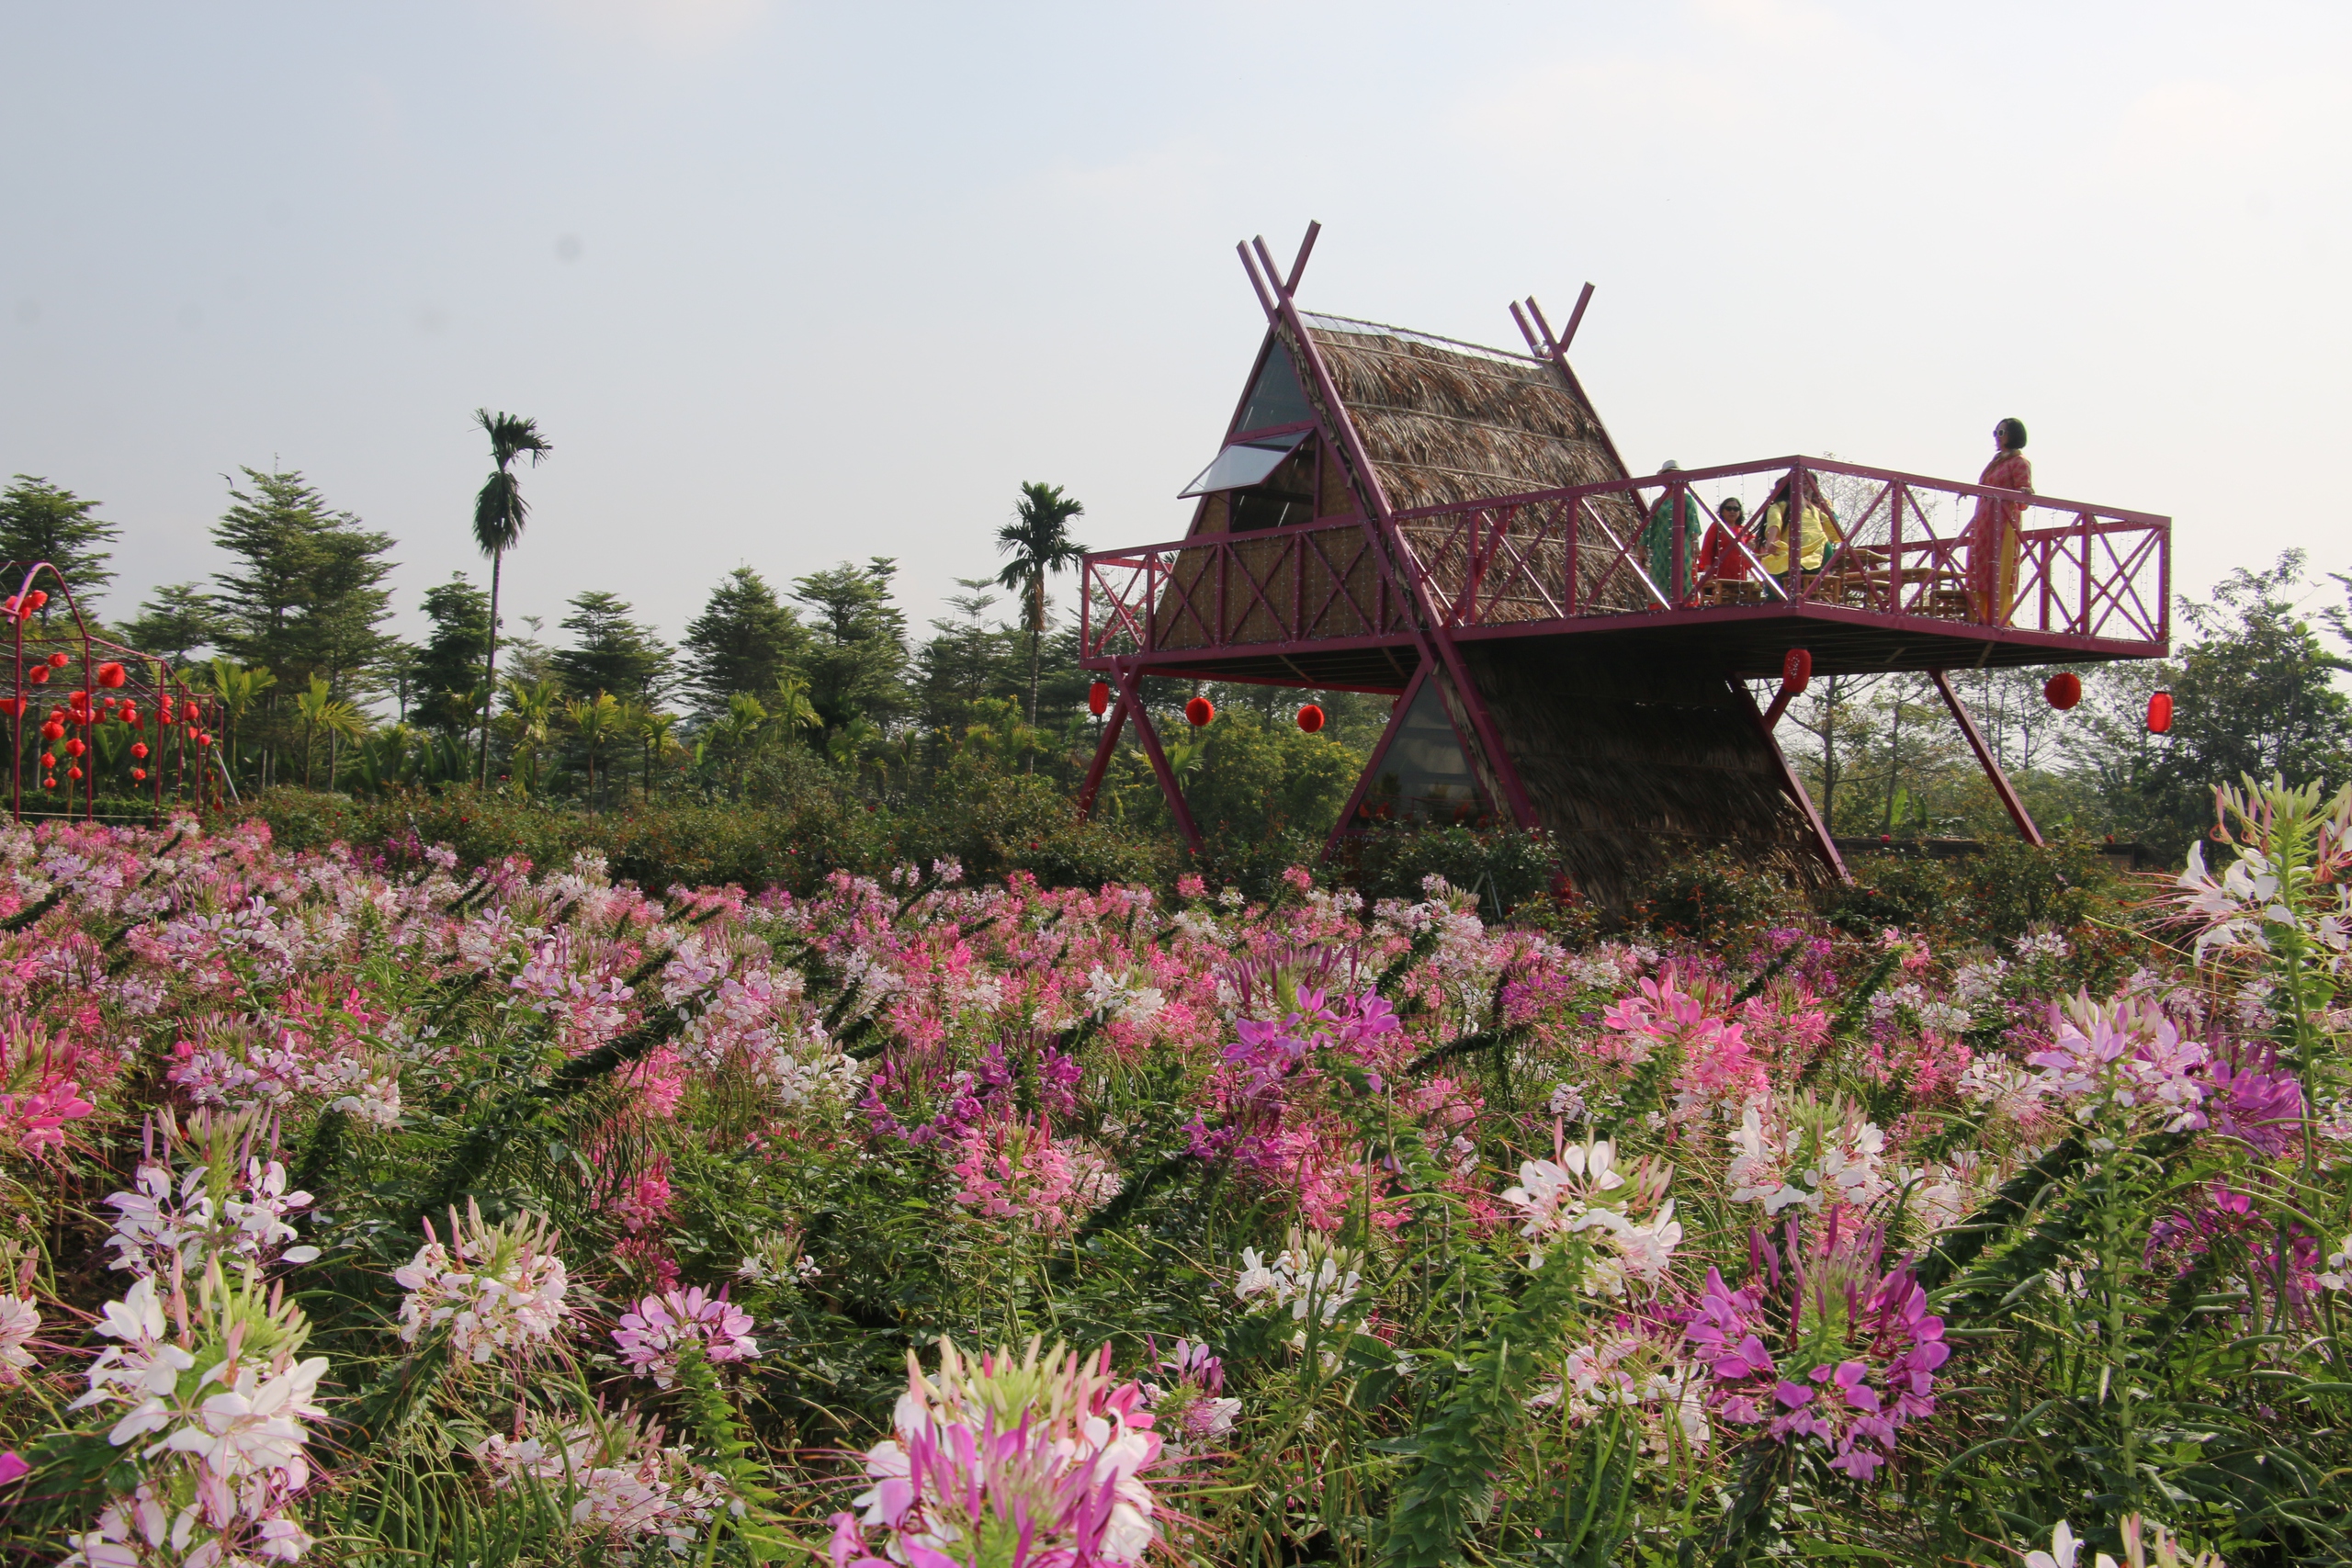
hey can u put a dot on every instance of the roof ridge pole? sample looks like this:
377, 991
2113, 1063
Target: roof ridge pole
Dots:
1984, 759
1428, 630
1556, 351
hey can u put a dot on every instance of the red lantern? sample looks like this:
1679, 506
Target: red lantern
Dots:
34, 601
138, 775
57, 662
139, 749
111, 675
73, 773
74, 748
202, 740
1098, 698
129, 713
2160, 714
48, 760
163, 710
8, 707
36, 675
1199, 712
1796, 670
53, 730
48, 783
1311, 719
2064, 690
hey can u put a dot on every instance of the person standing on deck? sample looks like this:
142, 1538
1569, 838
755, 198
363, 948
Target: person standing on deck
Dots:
1658, 540
1817, 533
1992, 533
1721, 559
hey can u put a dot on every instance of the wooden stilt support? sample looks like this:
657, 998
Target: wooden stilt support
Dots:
2001, 786
1795, 787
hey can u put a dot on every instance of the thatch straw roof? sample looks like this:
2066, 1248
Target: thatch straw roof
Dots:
1445, 421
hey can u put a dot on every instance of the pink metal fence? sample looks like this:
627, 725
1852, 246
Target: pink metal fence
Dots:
1904, 548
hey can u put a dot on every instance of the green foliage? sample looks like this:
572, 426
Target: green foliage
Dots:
306, 596
610, 652
1503, 868
450, 671
41, 522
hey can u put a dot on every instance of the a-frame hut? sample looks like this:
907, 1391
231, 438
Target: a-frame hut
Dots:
1398, 512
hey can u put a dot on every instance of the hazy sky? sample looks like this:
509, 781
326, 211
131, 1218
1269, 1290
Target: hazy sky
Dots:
787, 284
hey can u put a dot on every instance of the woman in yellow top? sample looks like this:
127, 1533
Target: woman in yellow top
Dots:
1816, 532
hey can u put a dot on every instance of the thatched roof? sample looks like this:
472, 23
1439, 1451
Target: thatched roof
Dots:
1447, 422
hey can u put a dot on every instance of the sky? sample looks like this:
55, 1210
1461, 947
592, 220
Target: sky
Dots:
790, 284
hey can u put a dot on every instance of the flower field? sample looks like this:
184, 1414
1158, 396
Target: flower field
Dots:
363, 1206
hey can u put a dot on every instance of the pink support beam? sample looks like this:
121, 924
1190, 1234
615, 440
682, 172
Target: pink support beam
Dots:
1103, 750
1795, 786
2001, 786
1131, 697
1380, 750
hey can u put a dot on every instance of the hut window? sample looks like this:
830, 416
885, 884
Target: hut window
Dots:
1275, 399
1423, 776
1245, 463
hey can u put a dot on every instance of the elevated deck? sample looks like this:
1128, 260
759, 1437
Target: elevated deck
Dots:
1326, 604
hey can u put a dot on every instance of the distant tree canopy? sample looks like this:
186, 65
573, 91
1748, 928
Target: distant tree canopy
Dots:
449, 672
610, 651
306, 596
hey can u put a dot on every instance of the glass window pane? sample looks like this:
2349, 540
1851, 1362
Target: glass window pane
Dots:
1244, 463
1423, 775
1276, 399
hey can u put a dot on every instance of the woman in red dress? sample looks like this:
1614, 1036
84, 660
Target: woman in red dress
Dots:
1992, 540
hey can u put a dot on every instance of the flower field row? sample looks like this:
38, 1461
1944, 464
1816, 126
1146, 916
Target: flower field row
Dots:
365, 1206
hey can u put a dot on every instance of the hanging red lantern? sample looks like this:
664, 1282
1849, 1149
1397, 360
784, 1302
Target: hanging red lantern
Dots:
48, 783
112, 675
53, 730
8, 706
34, 601
1311, 719
1796, 670
138, 775
2064, 691
139, 749
163, 710
129, 714
203, 739
48, 760
73, 773
2160, 714
74, 748
1098, 698
36, 675
1199, 712
57, 662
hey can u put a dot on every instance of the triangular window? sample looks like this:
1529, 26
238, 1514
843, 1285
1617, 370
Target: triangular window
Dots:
1276, 397
1422, 776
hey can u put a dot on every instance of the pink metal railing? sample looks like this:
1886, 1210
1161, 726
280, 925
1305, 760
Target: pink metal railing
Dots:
1905, 549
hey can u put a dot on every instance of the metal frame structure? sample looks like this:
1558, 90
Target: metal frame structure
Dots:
1389, 598
179, 747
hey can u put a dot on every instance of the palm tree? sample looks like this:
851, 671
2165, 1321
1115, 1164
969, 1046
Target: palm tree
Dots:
237, 687
651, 726
319, 708
530, 713
596, 723
793, 709
499, 512
1038, 540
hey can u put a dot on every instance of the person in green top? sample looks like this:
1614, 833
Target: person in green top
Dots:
1657, 541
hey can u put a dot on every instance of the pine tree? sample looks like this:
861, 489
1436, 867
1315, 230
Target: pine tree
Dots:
40, 522
610, 652
450, 666
857, 643
743, 642
177, 622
